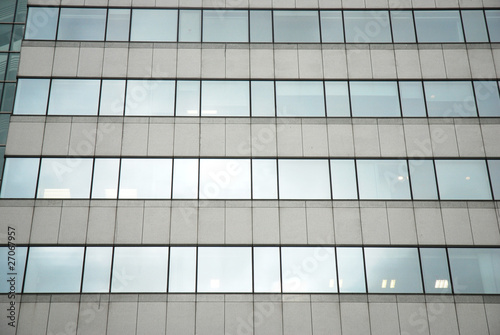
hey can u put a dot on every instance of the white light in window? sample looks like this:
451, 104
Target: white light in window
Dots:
110, 192
401, 178
341, 281
57, 193
384, 283
192, 112
210, 112
214, 283
441, 283
433, 96
393, 283
332, 283
467, 178
130, 193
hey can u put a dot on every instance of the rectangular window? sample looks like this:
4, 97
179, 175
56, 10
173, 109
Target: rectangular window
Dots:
297, 26
474, 26
145, 178
105, 181
182, 271
118, 25
225, 26
74, 97
189, 25
435, 270
5, 35
82, 24
493, 20
403, 30
463, 179
188, 98
375, 98
112, 97
488, 100
423, 179
438, 26
351, 270
225, 179
264, 181
154, 25
304, 179
383, 179
41, 23
150, 97
65, 178
449, 99
337, 98
300, 98
332, 28
261, 27
225, 98
97, 269
343, 179
185, 184
263, 98
367, 26
267, 274
412, 99
32, 96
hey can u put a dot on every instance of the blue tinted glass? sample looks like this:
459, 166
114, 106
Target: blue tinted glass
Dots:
150, 97
351, 270
367, 26
463, 179
375, 98
300, 98
337, 98
5, 36
182, 271
332, 29
12, 265
97, 269
17, 37
8, 97
263, 98
435, 270
487, 98
225, 26
42, 23
493, 19
105, 181
438, 26
187, 102
118, 25
296, 26
261, 28
4, 127
112, 97
74, 97
402, 26
448, 98
7, 9
82, 24
383, 179
343, 179
65, 178
225, 98
19, 179
3, 65
304, 179
474, 26
423, 180
412, 99
189, 26
155, 25
21, 10
12, 67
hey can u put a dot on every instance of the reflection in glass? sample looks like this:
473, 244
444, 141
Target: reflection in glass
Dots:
225, 179
224, 269
332, 29
65, 178
112, 97
383, 179
296, 26
105, 181
493, 20
423, 180
82, 24
31, 96
74, 97
189, 25
185, 178
150, 97
42, 23
463, 179
155, 25
300, 98
412, 99
351, 270
435, 270
182, 270
438, 26
18, 260
445, 98
11, 73
4, 127
17, 37
494, 168
367, 26
7, 8
474, 26
20, 176
118, 25
145, 178
393, 270
225, 26
375, 98
263, 98
188, 98
225, 98
337, 98
140, 269
264, 179
402, 26
487, 98
261, 28
304, 179
267, 273
97, 269
343, 179
54, 269
5, 34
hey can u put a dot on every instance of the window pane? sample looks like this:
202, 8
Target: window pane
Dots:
19, 256
19, 179
264, 179
493, 20
182, 270
225, 98
402, 26
463, 180
393, 270
300, 98
118, 25
54, 269
337, 98
7, 8
332, 29
267, 273
367, 26
224, 269
4, 127
189, 26
105, 182
112, 97
11, 73
375, 98
423, 180
8, 97
351, 270
383, 179
445, 98
296, 26
150, 97
145, 178
140, 269
74, 97
188, 98
155, 25
263, 98
261, 28
31, 96
475, 270
3, 65
309, 270
225, 179
435, 270
17, 37
343, 179
225, 26
21, 10
474, 26
42, 23
438, 26
185, 178
65, 178
494, 168
97, 269
82, 24
412, 99
304, 179
488, 100
5, 35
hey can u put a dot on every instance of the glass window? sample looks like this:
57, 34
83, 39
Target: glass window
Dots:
225, 98
475, 270
423, 179
182, 271
351, 270
367, 26
31, 96
263, 98
337, 98
300, 98
4, 127
343, 179
435, 270
82, 24
383, 179
8, 97
494, 168
189, 26
54, 269
185, 179
2, 155
150, 97
264, 179
21, 10
188, 98
332, 28
225, 25
118, 25
304, 179
105, 181
463, 179
5, 36
493, 20
11, 73
393, 270
112, 97
65, 178
17, 37
140, 269
155, 25
7, 8
225, 179
42, 23
402, 26
74, 97
438, 26
375, 98
309, 270
224, 269
3, 65
448, 98
296, 26
488, 100
412, 99
145, 178
267, 273
261, 27
97, 269
474, 26
12, 265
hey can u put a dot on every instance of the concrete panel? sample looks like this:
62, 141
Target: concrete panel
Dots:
73, 226
418, 140
90, 62
45, 226
366, 140
211, 226
383, 63
469, 140
115, 62
413, 318
82, 139
238, 139
122, 318
261, 63
481, 63
151, 318
210, 318
293, 228
109, 139
297, 318
444, 141
62, 318
340, 140
442, 318
93, 316
457, 229
315, 140
347, 225
335, 63
213, 63
164, 63
472, 319
402, 228
186, 139
325, 318
392, 140
212, 139
65, 62
319, 225
286, 63
457, 63
33, 318
238, 226
266, 229
189, 63
101, 225
432, 63
407, 64
184, 225
25, 138
263, 140
135, 139
267, 318
359, 64
56, 138
237, 63
129, 224
156, 228
140, 62
354, 318
429, 226
384, 318
484, 224
160, 139
374, 225
491, 138
492, 312
20, 219
238, 318
181, 318
289, 139
36, 61
310, 62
